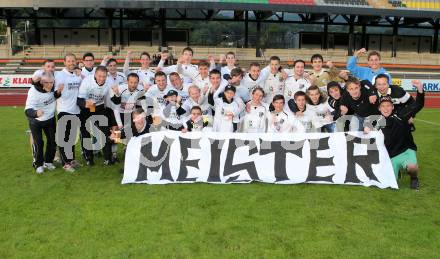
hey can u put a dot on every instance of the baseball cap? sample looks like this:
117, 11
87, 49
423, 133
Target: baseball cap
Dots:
170, 93
385, 99
230, 88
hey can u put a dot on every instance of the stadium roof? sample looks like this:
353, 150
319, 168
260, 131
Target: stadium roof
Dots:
254, 5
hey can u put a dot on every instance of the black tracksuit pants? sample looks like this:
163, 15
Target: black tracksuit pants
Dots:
37, 128
84, 116
69, 131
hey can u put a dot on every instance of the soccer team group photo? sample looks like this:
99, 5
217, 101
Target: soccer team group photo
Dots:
215, 123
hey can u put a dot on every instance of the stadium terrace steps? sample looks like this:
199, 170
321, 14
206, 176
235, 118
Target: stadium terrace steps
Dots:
399, 71
36, 51
242, 54
11, 67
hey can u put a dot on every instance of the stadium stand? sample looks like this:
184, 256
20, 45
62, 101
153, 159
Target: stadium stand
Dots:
381, 4
405, 65
417, 65
358, 3
428, 4
397, 3
242, 54
298, 2
422, 4
35, 51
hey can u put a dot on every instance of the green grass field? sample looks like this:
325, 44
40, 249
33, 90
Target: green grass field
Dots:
90, 214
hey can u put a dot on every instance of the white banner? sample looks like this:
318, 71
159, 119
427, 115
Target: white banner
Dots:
430, 85
15, 81
327, 158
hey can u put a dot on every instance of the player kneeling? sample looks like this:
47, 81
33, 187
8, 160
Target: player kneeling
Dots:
399, 141
196, 122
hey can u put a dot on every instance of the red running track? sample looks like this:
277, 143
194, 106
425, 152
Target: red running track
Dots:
432, 100
13, 97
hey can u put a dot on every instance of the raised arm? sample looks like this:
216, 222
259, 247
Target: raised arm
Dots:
186, 72
126, 68
105, 60
160, 66
414, 107
352, 63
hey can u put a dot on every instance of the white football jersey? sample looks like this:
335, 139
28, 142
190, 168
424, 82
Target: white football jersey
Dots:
69, 95
255, 121
41, 101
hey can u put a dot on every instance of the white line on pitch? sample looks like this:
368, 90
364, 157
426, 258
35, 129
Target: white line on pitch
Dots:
428, 122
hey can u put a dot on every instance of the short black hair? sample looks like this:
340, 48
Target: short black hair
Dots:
333, 84
196, 108
316, 56
160, 73
138, 110
254, 64
145, 54
88, 54
132, 75
298, 61
279, 97
275, 58
298, 94
381, 76
111, 60
188, 49
214, 72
